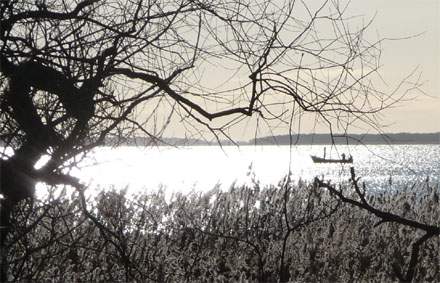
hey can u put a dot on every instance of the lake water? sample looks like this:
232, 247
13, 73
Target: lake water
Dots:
203, 167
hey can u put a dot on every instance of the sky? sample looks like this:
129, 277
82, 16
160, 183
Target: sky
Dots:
412, 28
418, 24
403, 18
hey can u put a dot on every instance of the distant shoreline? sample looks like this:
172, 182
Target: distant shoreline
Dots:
302, 139
371, 139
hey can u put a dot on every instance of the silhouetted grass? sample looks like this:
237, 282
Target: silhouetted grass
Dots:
290, 231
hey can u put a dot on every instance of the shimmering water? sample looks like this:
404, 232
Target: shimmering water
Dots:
203, 167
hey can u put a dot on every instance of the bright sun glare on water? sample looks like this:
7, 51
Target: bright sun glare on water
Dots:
203, 167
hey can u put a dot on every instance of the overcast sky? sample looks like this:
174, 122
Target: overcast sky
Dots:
401, 18
417, 24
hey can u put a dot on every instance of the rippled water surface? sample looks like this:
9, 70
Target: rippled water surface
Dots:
202, 167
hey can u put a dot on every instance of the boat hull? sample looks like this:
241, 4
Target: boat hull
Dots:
317, 159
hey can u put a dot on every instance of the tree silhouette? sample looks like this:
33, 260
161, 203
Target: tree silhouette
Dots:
75, 73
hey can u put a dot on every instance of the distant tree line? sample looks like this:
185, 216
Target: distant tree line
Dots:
298, 139
352, 139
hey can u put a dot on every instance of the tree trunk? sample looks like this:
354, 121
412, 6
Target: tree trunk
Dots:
5, 213
16, 184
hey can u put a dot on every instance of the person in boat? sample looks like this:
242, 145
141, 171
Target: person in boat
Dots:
343, 156
324, 151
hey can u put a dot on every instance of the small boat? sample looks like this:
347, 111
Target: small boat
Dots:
317, 159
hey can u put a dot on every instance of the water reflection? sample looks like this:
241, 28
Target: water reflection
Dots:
202, 167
